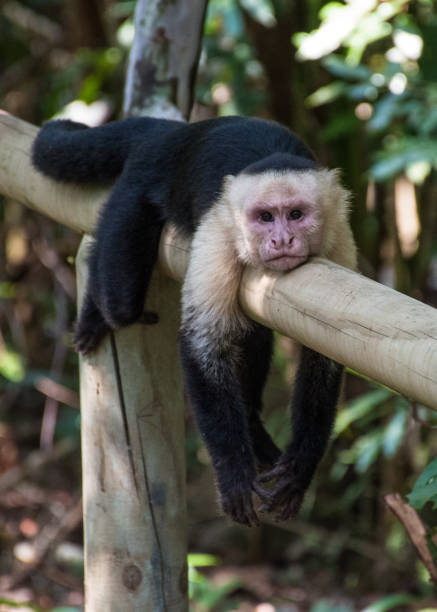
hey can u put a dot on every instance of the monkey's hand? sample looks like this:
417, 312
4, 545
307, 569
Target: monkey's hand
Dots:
236, 496
91, 327
286, 496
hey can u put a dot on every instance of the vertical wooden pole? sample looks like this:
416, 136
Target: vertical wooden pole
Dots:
131, 388
133, 462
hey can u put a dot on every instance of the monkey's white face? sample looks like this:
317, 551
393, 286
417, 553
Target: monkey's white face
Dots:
285, 231
281, 216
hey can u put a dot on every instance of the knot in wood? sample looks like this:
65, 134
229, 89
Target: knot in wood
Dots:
131, 577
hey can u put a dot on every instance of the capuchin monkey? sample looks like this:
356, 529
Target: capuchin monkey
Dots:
249, 192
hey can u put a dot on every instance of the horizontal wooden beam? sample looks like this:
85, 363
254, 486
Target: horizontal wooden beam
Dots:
358, 322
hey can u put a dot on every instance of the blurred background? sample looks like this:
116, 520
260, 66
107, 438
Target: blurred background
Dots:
358, 81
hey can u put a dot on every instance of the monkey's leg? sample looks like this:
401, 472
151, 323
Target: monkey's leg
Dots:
255, 363
317, 387
121, 261
216, 397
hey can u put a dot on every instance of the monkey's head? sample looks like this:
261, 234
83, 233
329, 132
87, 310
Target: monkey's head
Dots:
284, 216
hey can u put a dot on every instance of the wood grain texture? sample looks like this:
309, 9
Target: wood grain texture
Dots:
133, 461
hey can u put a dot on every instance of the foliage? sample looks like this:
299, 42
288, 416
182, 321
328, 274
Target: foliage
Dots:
203, 593
384, 424
393, 84
325, 606
229, 73
390, 602
11, 365
425, 488
380, 58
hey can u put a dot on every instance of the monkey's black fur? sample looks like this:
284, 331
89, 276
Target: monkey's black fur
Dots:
174, 171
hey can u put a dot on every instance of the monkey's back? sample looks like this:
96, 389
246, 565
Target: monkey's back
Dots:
212, 149
179, 166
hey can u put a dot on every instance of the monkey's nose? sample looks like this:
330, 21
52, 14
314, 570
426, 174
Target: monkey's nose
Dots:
281, 241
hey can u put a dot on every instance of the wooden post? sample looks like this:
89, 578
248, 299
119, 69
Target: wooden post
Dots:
133, 462
131, 388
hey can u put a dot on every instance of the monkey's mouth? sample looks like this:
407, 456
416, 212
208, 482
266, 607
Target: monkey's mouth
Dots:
285, 261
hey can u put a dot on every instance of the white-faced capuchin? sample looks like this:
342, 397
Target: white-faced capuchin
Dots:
249, 192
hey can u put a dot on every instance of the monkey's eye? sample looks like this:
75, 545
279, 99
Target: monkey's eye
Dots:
295, 214
266, 216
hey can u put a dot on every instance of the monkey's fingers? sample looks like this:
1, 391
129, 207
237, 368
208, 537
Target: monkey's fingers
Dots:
262, 493
285, 498
241, 510
269, 502
291, 507
247, 513
277, 472
236, 501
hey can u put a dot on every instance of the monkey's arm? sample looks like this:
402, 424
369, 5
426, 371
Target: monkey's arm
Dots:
317, 386
222, 421
121, 262
215, 340
257, 351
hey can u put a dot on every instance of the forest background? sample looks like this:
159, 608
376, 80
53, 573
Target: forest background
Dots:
358, 81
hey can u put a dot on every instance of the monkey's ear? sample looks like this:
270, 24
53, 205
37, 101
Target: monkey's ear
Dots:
334, 175
228, 181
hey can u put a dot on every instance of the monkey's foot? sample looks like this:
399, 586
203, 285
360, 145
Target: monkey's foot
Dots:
286, 496
236, 502
239, 508
89, 333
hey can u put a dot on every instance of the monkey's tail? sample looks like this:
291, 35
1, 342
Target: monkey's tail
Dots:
73, 152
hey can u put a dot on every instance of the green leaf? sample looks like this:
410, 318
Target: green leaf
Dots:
363, 91
339, 126
359, 408
394, 433
383, 112
21, 605
326, 94
327, 606
11, 365
430, 122
337, 66
368, 449
386, 168
401, 154
427, 63
390, 602
7, 290
425, 488
202, 560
